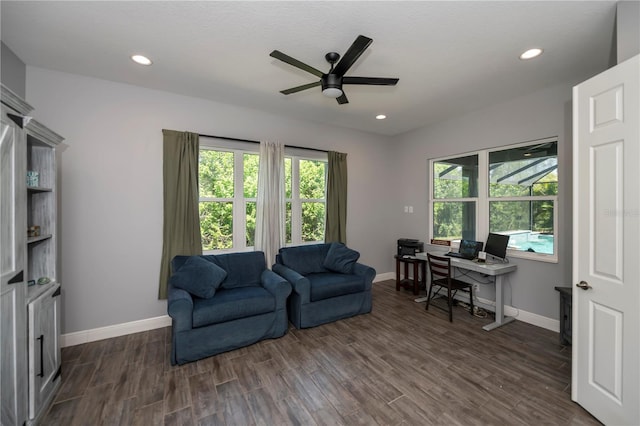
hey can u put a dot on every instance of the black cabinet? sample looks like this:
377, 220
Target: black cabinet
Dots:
565, 315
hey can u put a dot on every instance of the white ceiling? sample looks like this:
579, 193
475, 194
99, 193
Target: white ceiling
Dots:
451, 57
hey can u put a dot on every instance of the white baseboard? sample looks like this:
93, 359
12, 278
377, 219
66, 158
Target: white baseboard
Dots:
519, 314
86, 336
384, 277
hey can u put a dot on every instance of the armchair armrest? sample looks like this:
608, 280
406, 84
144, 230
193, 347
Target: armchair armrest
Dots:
276, 285
180, 309
365, 271
299, 283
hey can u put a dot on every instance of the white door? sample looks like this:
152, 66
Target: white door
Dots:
13, 331
606, 241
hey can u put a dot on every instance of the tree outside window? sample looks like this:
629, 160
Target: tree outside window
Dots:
216, 183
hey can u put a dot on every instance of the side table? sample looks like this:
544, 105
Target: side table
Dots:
419, 270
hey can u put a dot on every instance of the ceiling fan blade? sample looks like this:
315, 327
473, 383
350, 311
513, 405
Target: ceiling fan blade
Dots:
342, 99
370, 80
296, 63
300, 88
357, 48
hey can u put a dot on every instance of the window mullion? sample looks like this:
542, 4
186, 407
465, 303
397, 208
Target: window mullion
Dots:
482, 211
239, 240
296, 205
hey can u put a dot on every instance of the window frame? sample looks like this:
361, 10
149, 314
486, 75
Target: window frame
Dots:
239, 201
483, 200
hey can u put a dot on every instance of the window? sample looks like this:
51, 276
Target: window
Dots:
455, 195
511, 191
523, 193
305, 200
228, 184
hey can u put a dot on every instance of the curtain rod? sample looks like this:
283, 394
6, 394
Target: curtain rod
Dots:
251, 141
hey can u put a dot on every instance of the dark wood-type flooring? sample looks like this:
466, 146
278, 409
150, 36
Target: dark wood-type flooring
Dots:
399, 365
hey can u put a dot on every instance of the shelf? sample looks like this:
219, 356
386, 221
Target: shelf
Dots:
38, 189
32, 240
34, 291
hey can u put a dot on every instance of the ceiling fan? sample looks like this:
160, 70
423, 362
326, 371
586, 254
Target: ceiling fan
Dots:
332, 81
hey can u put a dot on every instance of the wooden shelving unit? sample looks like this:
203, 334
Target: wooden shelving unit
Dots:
31, 350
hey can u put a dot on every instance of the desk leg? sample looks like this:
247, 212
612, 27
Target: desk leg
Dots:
397, 274
500, 318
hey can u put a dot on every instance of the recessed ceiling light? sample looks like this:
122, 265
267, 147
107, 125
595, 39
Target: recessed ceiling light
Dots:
380, 117
142, 60
531, 53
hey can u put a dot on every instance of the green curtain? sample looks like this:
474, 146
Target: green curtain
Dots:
336, 224
181, 230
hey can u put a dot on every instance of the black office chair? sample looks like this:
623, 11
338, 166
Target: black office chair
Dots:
440, 268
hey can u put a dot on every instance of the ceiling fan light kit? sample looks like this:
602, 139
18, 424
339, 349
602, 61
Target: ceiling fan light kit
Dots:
331, 82
331, 85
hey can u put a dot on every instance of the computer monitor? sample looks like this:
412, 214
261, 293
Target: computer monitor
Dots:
497, 245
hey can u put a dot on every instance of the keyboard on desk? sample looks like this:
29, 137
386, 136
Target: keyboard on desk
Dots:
460, 255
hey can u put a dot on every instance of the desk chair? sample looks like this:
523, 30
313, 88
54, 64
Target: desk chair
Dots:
440, 268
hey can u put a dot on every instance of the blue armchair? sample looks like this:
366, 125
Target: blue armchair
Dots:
327, 283
223, 302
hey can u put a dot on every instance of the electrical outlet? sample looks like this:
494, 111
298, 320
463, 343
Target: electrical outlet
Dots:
476, 287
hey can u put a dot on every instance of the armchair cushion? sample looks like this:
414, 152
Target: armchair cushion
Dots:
231, 304
199, 277
340, 258
305, 259
243, 269
327, 285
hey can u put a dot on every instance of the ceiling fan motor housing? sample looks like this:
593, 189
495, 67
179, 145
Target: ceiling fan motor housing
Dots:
331, 81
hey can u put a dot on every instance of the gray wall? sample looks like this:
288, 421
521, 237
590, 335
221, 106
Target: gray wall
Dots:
111, 185
12, 71
628, 29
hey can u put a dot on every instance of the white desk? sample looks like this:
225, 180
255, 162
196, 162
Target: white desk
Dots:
496, 270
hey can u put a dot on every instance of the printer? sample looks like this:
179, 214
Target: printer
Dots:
409, 247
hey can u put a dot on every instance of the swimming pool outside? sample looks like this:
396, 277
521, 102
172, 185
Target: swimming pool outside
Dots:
531, 241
